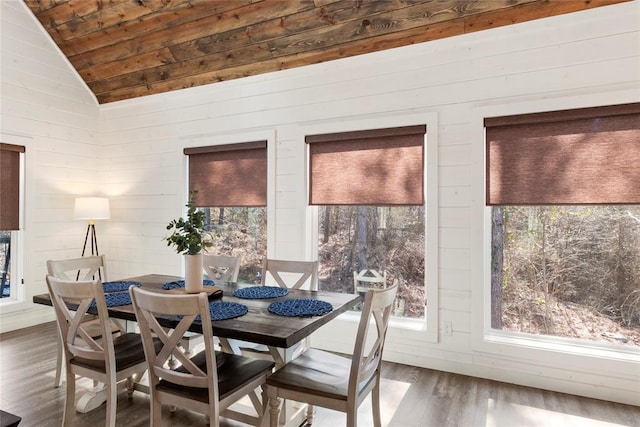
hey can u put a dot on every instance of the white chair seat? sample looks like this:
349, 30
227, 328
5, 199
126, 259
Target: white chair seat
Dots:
317, 371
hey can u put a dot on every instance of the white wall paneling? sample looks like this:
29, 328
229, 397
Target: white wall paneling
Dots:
47, 108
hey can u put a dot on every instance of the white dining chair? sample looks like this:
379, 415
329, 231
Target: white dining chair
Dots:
221, 267
285, 274
366, 279
85, 268
108, 360
208, 382
334, 381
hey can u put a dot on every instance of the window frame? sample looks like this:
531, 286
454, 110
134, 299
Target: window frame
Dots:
240, 138
427, 328
522, 346
16, 300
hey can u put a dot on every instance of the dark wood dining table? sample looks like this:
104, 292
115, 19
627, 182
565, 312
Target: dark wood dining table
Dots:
257, 326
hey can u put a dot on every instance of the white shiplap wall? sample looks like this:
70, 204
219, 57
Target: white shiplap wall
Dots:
47, 108
577, 60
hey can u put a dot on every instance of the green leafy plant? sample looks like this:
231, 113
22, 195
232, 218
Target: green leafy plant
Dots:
189, 236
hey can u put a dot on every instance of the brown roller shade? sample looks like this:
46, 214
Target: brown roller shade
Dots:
582, 156
10, 186
229, 175
374, 167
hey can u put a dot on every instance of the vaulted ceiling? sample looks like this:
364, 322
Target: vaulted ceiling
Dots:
130, 48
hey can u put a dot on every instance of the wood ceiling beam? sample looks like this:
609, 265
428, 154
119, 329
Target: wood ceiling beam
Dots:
130, 48
374, 21
182, 27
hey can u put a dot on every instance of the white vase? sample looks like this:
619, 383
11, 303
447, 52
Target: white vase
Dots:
193, 273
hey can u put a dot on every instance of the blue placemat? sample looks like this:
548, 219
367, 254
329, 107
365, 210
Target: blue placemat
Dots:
225, 310
116, 299
300, 307
180, 284
260, 292
118, 286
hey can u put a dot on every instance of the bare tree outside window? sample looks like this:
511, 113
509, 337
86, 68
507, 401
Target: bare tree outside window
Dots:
567, 271
240, 232
382, 238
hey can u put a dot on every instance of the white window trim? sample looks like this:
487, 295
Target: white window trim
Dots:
16, 268
523, 346
428, 327
239, 138
17, 300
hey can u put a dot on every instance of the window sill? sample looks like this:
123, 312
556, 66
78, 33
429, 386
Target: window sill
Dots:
12, 305
528, 342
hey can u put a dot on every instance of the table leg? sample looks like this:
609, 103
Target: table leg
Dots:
92, 399
95, 397
98, 395
227, 347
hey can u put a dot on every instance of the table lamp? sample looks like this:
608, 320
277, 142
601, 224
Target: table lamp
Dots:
91, 208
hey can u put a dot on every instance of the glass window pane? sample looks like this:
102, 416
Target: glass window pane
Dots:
5, 264
240, 232
567, 271
387, 239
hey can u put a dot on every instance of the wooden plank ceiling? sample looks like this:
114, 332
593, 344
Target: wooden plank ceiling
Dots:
130, 48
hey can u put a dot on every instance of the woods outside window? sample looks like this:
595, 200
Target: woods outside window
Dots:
231, 185
564, 192
369, 189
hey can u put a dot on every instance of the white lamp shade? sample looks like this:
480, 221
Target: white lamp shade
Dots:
91, 208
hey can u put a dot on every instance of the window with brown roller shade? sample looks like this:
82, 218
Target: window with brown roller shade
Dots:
10, 186
582, 156
229, 175
382, 167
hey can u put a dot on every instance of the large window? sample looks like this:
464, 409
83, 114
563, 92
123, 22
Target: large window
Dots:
231, 185
369, 189
10, 177
564, 188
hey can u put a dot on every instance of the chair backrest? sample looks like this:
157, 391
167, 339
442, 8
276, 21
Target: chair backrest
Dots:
148, 306
85, 268
367, 352
307, 271
219, 267
77, 341
363, 280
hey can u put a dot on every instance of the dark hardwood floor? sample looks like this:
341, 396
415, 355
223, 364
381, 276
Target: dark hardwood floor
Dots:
412, 397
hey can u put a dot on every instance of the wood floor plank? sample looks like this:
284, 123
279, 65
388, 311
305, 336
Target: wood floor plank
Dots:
411, 397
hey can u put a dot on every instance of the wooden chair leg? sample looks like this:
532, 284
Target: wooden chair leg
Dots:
264, 400
274, 406
310, 412
130, 384
59, 362
112, 399
70, 400
352, 417
375, 403
156, 411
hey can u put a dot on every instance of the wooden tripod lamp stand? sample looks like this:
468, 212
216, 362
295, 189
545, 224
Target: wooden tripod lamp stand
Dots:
91, 208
